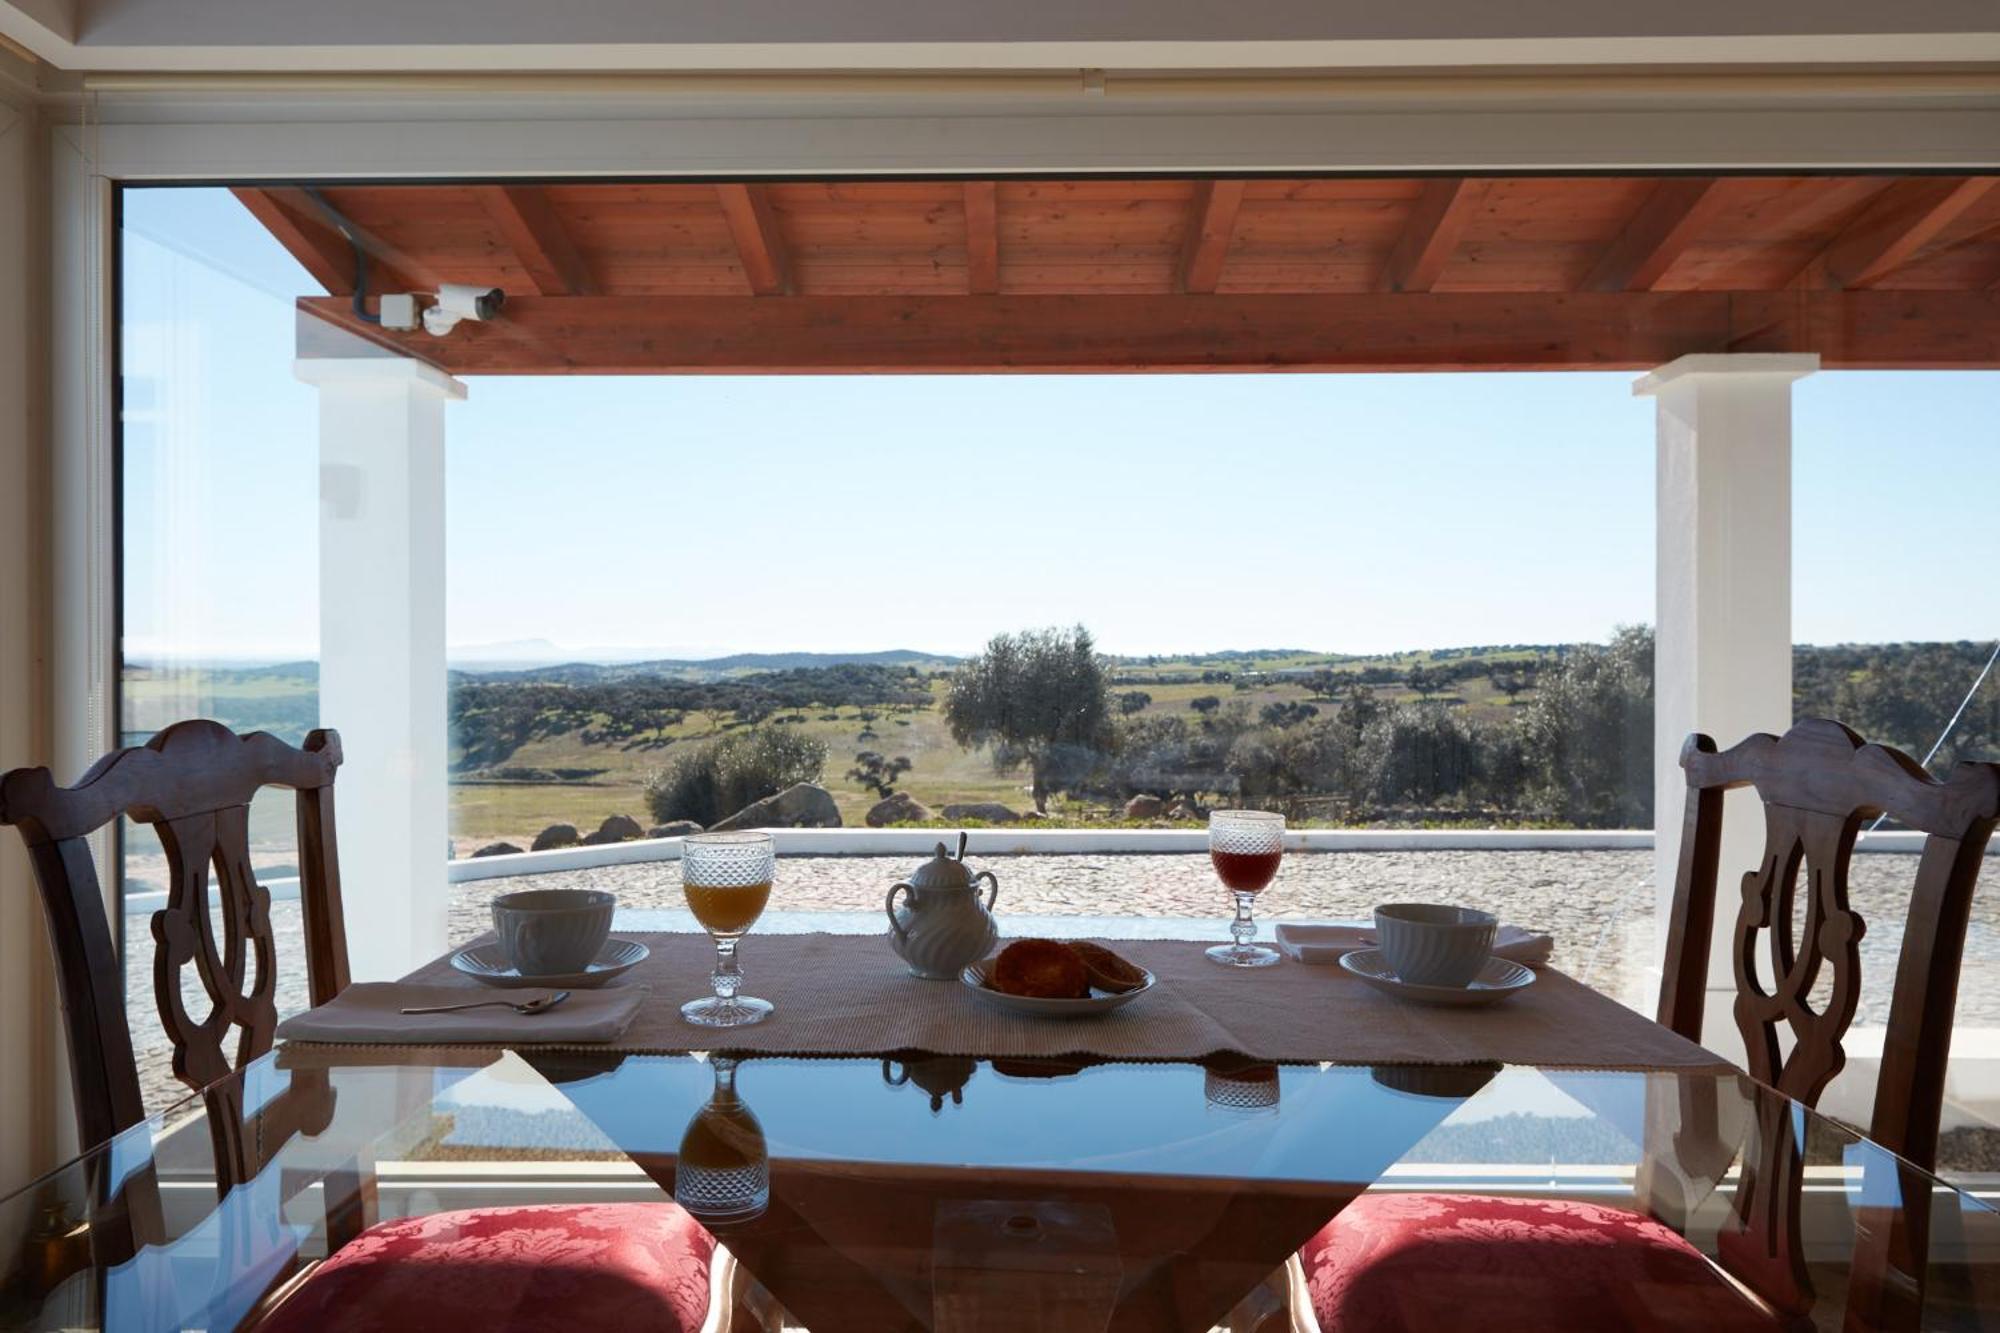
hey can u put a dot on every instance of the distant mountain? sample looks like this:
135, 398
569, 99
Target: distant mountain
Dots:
223, 672
706, 668
546, 652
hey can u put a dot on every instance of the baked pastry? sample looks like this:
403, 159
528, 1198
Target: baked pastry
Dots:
1041, 969
1106, 970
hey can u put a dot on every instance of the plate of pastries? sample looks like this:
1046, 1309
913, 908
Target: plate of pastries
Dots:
1057, 979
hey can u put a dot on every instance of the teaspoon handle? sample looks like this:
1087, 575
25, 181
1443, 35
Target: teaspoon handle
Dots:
453, 1008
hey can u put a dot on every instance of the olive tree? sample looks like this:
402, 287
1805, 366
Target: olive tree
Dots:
877, 772
1588, 732
1040, 699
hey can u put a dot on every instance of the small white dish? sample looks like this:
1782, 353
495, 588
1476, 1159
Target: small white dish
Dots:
485, 962
1322, 942
1496, 981
974, 977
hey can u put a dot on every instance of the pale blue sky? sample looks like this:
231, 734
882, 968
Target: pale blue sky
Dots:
1169, 513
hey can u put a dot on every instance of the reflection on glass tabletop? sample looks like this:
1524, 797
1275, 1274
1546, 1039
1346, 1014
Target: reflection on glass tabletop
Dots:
889, 1193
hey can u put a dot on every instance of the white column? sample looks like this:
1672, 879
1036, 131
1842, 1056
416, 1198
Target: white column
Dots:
1723, 662
381, 648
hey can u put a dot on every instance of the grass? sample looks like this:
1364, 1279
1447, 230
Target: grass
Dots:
942, 774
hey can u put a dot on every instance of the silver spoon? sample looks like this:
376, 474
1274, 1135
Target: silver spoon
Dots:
534, 1006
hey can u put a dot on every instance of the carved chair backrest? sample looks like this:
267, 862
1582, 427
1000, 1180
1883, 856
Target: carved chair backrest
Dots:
1819, 785
193, 783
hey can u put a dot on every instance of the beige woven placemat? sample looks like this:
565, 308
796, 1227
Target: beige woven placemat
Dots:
850, 995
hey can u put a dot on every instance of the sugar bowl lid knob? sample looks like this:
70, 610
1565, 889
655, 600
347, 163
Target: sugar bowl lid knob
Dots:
944, 870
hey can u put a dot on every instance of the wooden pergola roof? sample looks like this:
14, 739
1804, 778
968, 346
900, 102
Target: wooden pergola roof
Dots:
1345, 273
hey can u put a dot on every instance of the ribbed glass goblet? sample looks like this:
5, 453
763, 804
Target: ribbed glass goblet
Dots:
1246, 847
727, 880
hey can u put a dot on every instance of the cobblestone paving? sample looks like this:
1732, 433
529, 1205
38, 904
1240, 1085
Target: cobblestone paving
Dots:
1599, 906
1590, 901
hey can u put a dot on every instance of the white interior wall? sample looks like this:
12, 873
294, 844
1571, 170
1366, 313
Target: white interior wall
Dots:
27, 1018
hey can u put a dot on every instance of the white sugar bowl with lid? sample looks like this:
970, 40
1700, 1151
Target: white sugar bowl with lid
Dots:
941, 924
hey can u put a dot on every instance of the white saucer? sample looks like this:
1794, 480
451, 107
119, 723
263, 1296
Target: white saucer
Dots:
484, 962
1496, 981
1100, 1002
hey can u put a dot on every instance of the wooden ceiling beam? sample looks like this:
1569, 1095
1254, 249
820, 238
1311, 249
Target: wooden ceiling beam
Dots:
311, 230
528, 223
760, 245
1112, 334
1892, 230
1670, 220
1430, 235
390, 268
1211, 224
320, 250
982, 237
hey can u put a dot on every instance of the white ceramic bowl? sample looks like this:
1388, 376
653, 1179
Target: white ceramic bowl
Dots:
1431, 944
544, 932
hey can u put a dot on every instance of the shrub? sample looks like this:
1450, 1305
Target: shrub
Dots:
1282, 715
1588, 733
714, 780
1424, 753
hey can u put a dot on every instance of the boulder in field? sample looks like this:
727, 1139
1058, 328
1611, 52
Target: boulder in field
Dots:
1144, 806
801, 805
900, 808
988, 812
555, 835
498, 849
615, 828
674, 828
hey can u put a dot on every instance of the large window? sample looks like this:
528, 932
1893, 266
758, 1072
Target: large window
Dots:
1892, 503
1097, 601
219, 466
1359, 599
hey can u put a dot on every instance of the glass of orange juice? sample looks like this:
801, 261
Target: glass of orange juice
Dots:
727, 880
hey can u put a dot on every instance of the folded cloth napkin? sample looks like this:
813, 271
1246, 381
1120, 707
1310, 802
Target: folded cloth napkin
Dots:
370, 1012
1316, 942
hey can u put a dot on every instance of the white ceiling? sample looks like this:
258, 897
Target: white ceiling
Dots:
362, 35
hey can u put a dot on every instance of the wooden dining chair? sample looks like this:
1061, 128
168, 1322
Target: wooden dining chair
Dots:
1404, 1262
540, 1266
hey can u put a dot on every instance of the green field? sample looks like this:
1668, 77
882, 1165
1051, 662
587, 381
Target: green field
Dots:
941, 773
607, 778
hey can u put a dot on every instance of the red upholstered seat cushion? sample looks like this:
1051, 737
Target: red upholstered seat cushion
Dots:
1465, 1263
523, 1270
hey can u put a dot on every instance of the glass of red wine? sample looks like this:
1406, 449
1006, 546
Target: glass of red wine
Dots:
1246, 847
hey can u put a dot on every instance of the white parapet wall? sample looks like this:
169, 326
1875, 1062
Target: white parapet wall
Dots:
1062, 842
1107, 842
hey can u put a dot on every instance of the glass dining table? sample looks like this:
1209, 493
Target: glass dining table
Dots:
952, 1193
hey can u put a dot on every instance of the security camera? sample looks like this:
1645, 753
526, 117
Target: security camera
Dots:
461, 300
